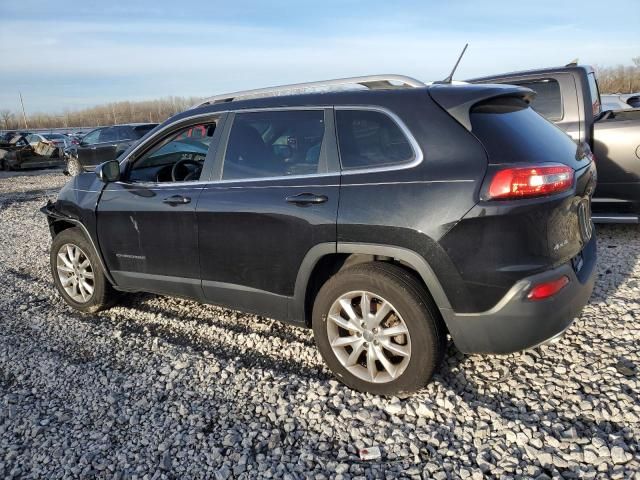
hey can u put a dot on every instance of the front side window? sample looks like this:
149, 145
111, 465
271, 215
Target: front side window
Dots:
91, 138
108, 135
175, 158
273, 144
370, 139
548, 101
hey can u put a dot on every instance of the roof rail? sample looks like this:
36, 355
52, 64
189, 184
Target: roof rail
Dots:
372, 82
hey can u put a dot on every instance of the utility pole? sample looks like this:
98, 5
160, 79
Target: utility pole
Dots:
24, 115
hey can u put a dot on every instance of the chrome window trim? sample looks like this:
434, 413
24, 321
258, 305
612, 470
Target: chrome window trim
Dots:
417, 160
418, 156
150, 185
203, 184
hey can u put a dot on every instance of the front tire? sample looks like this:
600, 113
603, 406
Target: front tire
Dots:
73, 166
77, 272
378, 329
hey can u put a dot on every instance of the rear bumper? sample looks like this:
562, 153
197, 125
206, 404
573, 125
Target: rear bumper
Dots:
516, 323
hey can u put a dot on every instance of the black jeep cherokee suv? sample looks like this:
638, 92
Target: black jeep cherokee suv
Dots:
384, 219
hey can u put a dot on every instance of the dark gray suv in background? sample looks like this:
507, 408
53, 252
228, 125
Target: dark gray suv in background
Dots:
103, 144
384, 218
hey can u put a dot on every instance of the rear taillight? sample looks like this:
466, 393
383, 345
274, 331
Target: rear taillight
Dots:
548, 289
524, 182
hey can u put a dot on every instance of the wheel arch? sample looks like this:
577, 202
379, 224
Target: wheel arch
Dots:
59, 222
324, 260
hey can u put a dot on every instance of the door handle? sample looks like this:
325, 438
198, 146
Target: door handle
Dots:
176, 200
305, 199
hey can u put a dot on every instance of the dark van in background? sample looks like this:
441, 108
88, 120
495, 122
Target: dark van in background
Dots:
103, 144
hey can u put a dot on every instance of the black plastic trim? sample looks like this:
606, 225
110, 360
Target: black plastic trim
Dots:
54, 216
516, 323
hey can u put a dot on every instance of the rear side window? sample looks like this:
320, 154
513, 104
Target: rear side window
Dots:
595, 95
124, 133
512, 132
369, 139
142, 130
274, 144
548, 101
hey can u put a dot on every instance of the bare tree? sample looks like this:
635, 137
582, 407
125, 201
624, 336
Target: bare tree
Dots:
621, 78
7, 117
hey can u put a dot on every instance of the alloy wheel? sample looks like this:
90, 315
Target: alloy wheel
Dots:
75, 273
369, 337
73, 166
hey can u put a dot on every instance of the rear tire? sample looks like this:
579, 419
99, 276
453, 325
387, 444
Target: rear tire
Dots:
399, 328
78, 274
73, 166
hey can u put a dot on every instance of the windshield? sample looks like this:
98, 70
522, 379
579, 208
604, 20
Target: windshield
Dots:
53, 136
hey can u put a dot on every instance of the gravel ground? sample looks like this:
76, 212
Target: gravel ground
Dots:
166, 388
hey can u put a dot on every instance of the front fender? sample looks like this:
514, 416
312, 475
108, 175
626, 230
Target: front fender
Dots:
76, 206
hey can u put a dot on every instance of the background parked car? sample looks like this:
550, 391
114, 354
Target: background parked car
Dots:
57, 139
102, 144
632, 99
569, 97
613, 103
19, 153
73, 139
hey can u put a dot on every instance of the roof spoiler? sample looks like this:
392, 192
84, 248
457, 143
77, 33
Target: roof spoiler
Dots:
459, 100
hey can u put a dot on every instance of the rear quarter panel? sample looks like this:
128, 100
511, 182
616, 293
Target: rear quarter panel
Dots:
413, 208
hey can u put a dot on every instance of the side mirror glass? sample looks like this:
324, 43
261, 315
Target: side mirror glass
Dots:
108, 171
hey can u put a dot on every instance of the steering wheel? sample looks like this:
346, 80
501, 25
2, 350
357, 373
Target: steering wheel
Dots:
188, 174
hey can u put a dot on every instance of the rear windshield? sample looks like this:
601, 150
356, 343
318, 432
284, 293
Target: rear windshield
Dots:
142, 130
512, 132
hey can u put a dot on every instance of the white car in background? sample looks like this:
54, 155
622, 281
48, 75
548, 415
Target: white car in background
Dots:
614, 103
620, 101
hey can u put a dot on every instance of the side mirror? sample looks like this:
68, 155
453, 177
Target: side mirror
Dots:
108, 171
